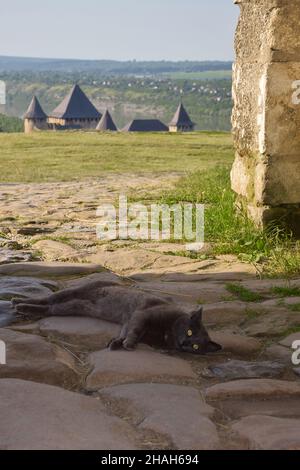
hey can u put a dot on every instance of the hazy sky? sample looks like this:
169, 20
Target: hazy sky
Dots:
118, 29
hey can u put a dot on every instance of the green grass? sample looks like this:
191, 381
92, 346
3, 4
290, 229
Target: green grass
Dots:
287, 291
243, 294
272, 251
66, 156
205, 158
294, 308
290, 331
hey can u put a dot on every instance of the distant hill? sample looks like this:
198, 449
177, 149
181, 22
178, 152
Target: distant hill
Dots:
207, 101
109, 67
130, 90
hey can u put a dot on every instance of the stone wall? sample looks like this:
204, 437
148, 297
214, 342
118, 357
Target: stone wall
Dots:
31, 125
74, 123
266, 116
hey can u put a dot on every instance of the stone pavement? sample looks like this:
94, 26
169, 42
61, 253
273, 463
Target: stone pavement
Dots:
62, 389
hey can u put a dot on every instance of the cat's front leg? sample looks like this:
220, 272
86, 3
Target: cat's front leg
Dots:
136, 329
117, 343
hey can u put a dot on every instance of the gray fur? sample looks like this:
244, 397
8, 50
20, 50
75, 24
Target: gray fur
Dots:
144, 317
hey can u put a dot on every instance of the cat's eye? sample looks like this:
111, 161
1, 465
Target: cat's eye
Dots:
195, 347
190, 333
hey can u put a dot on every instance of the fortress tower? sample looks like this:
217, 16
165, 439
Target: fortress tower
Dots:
106, 123
75, 112
35, 118
181, 122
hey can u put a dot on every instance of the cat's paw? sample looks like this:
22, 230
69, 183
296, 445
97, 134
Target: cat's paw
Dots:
115, 344
128, 346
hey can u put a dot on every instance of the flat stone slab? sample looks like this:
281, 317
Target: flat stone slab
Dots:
89, 333
253, 388
14, 256
186, 291
56, 251
41, 269
176, 411
142, 365
223, 313
297, 371
245, 370
42, 417
235, 343
271, 324
215, 277
283, 302
105, 276
31, 357
172, 264
289, 340
279, 353
269, 433
124, 261
25, 287
240, 407
131, 261
224, 264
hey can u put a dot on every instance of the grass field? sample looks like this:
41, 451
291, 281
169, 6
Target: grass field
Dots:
47, 156
273, 251
203, 158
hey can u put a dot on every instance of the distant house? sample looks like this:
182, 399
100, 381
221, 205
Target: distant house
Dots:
75, 111
146, 125
35, 118
106, 123
181, 121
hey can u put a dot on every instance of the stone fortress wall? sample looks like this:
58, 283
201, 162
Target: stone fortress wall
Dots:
266, 115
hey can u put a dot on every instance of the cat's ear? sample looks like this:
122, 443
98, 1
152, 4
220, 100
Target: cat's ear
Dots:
196, 317
213, 347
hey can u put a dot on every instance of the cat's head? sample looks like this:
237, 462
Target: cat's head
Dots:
191, 336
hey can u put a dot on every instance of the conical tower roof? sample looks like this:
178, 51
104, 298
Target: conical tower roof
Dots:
35, 111
76, 105
106, 123
181, 117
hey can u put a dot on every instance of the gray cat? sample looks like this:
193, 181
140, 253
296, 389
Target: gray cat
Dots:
144, 317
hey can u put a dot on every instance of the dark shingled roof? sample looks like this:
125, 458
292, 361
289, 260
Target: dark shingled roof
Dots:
35, 111
181, 117
146, 125
106, 123
76, 105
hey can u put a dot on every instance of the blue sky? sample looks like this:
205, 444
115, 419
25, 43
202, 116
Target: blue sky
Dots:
119, 29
